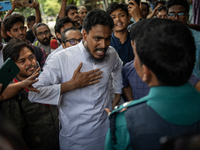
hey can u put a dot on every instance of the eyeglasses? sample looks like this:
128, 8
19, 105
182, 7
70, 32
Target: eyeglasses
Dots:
179, 15
73, 41
44, 33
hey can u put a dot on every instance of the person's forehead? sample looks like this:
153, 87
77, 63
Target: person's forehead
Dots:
177, 8
42, 28
162, 12
17, 25
83, 10
72, 10
67, 25
73, 34
24, 52
100, 30
118, 11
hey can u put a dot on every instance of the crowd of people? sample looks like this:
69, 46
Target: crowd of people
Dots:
120, 79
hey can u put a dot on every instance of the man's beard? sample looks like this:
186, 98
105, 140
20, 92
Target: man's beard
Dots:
46, 43
98, 60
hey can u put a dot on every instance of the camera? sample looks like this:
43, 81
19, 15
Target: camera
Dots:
26, 3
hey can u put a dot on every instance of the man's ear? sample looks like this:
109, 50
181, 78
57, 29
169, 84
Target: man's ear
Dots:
58, 35
132, 44
146, 74
63, 45
129, 18
84, 33
9, 34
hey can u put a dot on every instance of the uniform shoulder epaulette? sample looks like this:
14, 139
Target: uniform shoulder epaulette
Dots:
118, 109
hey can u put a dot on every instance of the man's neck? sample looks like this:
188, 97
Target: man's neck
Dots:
77, 24
81, 22
19, 78
122, 35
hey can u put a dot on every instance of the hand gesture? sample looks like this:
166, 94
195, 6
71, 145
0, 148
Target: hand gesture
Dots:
134, 10
27, 84
82, 79
16, 4
35, 5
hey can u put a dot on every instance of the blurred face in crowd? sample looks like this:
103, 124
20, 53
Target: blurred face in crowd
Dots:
178, 13
97, 41
120, 19
162, 14
66, 25
144, 11
82, 13
73, 15
26, 63
43, 35
18, 31
30, 25
73, 38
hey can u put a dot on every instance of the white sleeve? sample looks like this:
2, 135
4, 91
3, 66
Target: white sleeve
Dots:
49, 84
117, 75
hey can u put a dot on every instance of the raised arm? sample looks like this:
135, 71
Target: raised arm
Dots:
62, 9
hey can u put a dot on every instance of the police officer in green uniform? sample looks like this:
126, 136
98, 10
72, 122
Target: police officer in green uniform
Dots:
164, 59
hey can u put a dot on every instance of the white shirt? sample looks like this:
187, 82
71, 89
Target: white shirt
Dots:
1, 55
84, 121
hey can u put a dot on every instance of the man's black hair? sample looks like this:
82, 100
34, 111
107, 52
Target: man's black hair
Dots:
163, 7
63, 37
163, 2
13, 48
68, 7
184, 3
95, 17
114, 6
167, 48
60, 23
147, 6
11, 20
40, 24
30, 18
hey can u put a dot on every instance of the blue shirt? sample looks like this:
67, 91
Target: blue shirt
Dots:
196, 35
139, 88
124, 50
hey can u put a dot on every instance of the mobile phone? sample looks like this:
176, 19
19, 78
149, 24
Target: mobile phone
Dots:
26, 3
6, 5
137, 1
7, 72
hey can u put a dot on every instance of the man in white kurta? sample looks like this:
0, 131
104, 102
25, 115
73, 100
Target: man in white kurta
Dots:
83, 119
82, 113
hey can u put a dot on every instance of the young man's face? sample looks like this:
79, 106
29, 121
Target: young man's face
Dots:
178, 9
26, 63
43, 35
73, 15
30, 25
18, 31
162, 14
82, 13
66, 25
144, 11
97, 40
74, 36
120, 19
